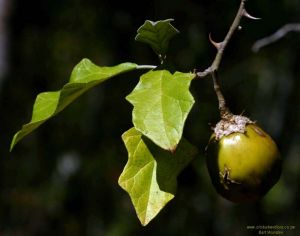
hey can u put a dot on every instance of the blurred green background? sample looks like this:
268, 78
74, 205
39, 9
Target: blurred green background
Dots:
62, 179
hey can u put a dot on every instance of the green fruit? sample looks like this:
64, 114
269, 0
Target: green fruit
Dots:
244, 166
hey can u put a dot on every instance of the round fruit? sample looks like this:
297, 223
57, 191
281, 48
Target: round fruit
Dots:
243, 166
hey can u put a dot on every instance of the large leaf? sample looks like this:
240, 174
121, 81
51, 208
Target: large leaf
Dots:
84, 76
161, 103
150, 174
157, 35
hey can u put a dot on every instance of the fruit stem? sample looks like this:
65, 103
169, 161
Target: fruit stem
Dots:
224, 110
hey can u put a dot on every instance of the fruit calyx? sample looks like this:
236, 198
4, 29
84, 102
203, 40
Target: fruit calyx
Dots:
231, 124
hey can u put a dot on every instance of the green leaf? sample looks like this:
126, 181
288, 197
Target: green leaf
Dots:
150, 175
85, 75
157, 35
161, 103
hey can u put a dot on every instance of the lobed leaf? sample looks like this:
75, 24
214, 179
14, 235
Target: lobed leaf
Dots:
85, 75
150, 175
162, 102
157, 35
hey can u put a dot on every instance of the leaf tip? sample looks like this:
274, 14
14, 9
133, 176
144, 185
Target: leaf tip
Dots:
173, 149
14, 141
11, 147
145, 223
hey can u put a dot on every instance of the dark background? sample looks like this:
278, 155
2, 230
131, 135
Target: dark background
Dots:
62, 179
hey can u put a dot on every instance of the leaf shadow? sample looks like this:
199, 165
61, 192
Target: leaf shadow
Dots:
170, 164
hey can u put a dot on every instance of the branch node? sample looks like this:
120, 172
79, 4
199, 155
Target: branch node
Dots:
247, 15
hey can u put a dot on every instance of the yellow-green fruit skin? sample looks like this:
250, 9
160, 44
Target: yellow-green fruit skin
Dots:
244, 166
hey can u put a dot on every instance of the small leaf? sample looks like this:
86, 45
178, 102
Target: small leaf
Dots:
161, 103
157, 35
150, 175
85, 75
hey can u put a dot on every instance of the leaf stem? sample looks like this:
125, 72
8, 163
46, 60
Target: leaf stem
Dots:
141, 67
213, 68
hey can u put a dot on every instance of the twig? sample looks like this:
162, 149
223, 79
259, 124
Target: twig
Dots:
213, 68
276, 36
222, 45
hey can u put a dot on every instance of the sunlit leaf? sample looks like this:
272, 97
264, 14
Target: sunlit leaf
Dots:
150, 174
84, 76
157, 34
161, 103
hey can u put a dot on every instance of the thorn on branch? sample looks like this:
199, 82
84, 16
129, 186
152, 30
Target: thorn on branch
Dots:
216, 45
247, 15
